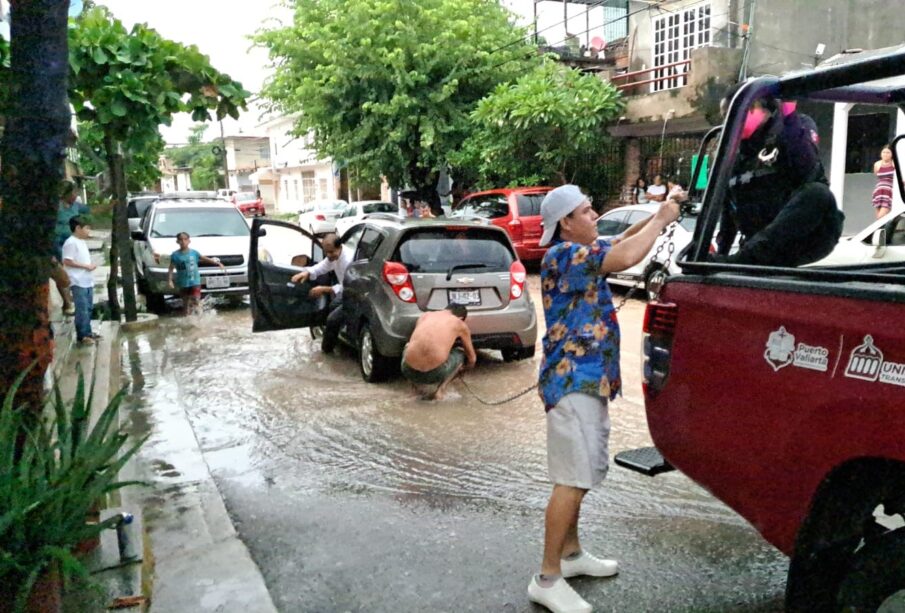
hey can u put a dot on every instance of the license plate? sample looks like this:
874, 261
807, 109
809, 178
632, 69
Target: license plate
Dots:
216, 282
465, 296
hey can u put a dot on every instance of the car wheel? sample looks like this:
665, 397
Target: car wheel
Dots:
521, 353
156, 302
375, 367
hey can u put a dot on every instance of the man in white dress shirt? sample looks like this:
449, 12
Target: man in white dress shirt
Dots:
337, 260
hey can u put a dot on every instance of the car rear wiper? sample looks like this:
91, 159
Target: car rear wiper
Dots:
452, 269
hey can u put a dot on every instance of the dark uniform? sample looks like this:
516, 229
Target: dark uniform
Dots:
779, 198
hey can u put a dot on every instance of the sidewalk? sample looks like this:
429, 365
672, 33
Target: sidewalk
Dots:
190, 556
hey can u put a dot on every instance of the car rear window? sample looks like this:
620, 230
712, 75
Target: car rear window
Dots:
138, 206
380, 207
489, 207
440, 250
529, 204
330, 206
199, 222
246, 197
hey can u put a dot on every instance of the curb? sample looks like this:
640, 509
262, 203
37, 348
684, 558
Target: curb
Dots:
145, 321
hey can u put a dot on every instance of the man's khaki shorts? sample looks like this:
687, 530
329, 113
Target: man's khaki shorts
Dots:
439, 374
578, 435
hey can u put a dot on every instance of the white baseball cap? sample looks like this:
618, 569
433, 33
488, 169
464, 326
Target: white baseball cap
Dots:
557, 204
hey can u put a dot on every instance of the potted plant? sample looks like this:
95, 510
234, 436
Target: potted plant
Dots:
51, 475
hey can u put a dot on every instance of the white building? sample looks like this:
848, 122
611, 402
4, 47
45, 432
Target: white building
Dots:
173, 178
297, 175
245, 156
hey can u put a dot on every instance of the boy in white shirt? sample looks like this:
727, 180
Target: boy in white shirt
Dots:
77, 262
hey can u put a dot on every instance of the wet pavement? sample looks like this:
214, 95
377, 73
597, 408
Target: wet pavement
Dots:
359, 497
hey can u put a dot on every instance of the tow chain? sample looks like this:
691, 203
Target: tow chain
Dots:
657, 279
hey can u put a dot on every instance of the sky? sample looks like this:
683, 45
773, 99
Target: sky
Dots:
220, 29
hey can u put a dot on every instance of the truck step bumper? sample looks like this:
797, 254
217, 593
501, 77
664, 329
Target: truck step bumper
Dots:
646, 460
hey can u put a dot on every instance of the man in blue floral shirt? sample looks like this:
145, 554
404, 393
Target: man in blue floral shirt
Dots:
579, 375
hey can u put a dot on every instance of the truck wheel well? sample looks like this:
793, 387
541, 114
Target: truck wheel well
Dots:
839, 520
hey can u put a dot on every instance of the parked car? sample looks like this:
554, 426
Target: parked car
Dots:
136, 207
516, 210
218, 230
226, 194
249, 204
880, 242
401, 268
356, 211
319, 217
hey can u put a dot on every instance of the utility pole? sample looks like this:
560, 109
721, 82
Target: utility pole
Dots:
225, 160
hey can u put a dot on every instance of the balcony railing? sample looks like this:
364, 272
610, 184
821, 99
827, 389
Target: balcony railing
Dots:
672, 75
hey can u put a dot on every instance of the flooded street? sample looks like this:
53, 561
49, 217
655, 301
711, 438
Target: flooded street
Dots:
359, 497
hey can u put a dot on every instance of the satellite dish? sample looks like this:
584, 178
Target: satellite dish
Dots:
598, 43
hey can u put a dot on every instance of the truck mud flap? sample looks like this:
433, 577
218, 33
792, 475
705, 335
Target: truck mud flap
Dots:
646, 460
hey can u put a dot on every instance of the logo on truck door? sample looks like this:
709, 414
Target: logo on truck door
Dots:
782, 351
865, 361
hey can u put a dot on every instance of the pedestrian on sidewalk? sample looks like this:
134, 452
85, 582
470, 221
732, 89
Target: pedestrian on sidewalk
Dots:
579, 375
78, 265
440, 347
69, 206
185, 262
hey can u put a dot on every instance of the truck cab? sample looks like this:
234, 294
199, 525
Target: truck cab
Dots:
779, 390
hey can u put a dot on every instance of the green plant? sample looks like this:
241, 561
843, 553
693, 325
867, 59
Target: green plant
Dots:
51, 475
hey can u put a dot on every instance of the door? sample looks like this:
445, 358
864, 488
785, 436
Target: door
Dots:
361, 275
278, 251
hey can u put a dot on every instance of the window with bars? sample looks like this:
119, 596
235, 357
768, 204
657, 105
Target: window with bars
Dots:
309, 187
322, 186
675, 35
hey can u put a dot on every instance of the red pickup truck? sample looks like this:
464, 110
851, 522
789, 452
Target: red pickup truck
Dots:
780, 390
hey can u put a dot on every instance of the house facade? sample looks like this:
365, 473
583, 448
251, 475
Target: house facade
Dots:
245, 155
297, 174
680, 57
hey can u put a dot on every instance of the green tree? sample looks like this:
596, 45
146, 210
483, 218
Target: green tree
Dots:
35, 137
141, 157
206, 166
541, 128
387, 85
129, 83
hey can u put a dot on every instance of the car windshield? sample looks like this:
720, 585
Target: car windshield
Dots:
438, 250
489, 206
333, 205
246, 197
379, 207
199, 222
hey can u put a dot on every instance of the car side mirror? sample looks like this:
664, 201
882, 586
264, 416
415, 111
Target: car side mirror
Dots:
878, 240
262, 232
138, 235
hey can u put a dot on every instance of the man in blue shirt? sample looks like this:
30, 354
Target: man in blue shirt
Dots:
579, 375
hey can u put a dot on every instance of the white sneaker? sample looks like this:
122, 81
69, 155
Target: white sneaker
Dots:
559, 597
587, 564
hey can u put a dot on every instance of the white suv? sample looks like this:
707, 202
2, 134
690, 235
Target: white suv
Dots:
217, 230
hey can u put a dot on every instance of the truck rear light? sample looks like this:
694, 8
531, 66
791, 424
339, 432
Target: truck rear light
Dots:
515, 230
517, 276
656, 345
398, 278
320, 217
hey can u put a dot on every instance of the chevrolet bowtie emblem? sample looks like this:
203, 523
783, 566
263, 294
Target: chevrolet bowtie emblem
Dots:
465, 280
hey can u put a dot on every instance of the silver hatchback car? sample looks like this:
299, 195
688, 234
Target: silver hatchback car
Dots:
401, 268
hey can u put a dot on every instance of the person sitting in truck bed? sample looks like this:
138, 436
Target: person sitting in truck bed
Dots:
778, 198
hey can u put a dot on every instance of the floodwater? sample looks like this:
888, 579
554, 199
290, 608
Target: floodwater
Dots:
360, 497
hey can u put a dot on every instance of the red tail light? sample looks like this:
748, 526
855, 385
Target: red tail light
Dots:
517, 278
658, 332
515, 230
320, 217
397, 277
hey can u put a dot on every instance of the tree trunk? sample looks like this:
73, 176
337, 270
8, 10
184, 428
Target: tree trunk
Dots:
119, 241
33, 148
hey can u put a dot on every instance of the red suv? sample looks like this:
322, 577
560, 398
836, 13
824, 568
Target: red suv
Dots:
516, 210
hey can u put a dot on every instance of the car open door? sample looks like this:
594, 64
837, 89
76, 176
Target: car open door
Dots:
276, 302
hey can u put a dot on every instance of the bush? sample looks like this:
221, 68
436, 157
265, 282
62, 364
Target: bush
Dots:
51, 476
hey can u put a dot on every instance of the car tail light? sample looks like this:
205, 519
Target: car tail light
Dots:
659, 329
516, 280
515, 230
320, 217
398, 278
